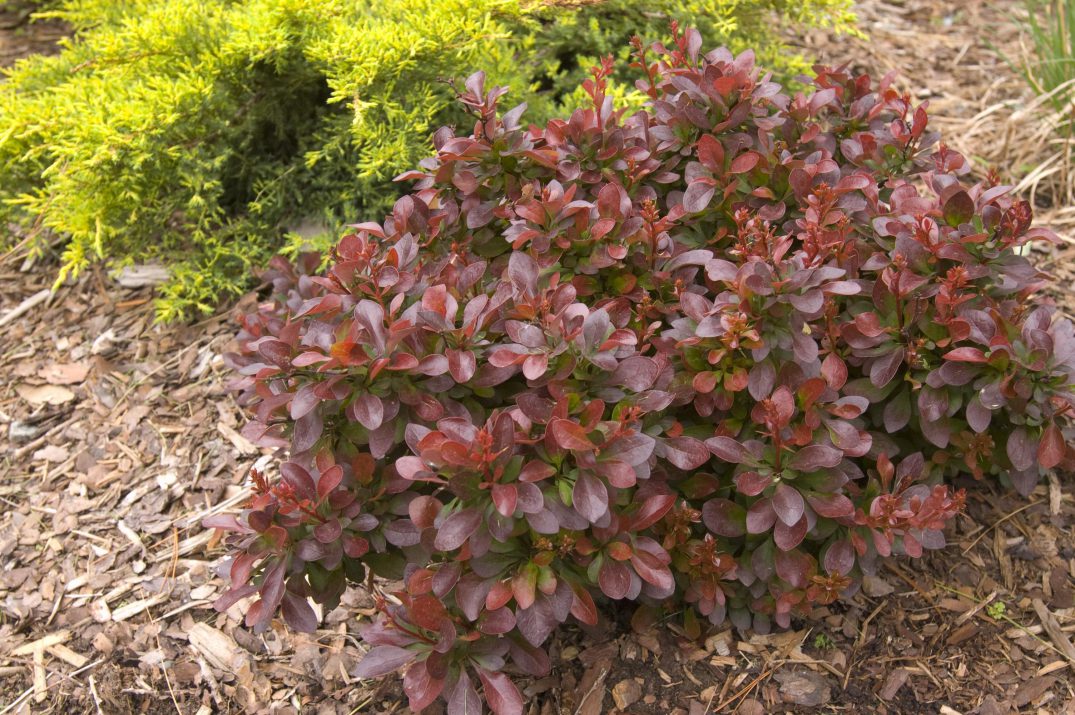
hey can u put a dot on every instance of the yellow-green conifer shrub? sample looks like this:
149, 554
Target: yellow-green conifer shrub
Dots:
200, 132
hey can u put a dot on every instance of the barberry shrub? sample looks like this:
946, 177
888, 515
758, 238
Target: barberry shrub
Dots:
726, 351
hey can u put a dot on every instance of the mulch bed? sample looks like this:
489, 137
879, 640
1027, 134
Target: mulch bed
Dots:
21, 35
117, 436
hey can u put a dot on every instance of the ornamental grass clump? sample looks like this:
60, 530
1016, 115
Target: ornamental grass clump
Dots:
726, 351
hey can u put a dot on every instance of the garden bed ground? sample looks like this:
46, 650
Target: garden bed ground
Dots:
19, 36
118, 435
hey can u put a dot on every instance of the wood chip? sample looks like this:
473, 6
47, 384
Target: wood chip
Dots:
896, 680
976, 609
592, 689
1000, 551
962, 633
626, 693
50, 453
133, 609
238, 441
1054, 494
41, 690
219, 649
142, 276
1031, 690
1053, 630
26, 305
1052, 667
68, 656
131, 535
100, 611
44, 394
803, 688
59, 373
42, 643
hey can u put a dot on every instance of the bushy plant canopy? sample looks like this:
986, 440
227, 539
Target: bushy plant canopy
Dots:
200, 133
725, 351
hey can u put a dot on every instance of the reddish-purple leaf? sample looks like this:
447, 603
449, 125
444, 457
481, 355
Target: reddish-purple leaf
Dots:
911, 546
504, 498
973, 355
752, 483
869, 324
958, 209
788, 504
300, 479
614, 579
457, 528
760, 517
328, 480
839, 557
589, 497
1052, 447
276, 352
537, 622
636, 373
711, 153
421, 688
428, 612
308, 430
298, 614
523, 271
227, 522
653, 510
619, 474
698, 195
794, 567
583, 606
831, 506
368, 410
884, 368
497, 621
788, 537
978, 415
464, 699
849, 439
461, 364
834, 370
744, 162
328, 531
569, 435
382, 660
815, 456
1022, 449
685, 452
530, 659
724, 518
631, 447
535, 366
535, 471
304, 401
501, 694
652, 571
411, 467
729, 450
